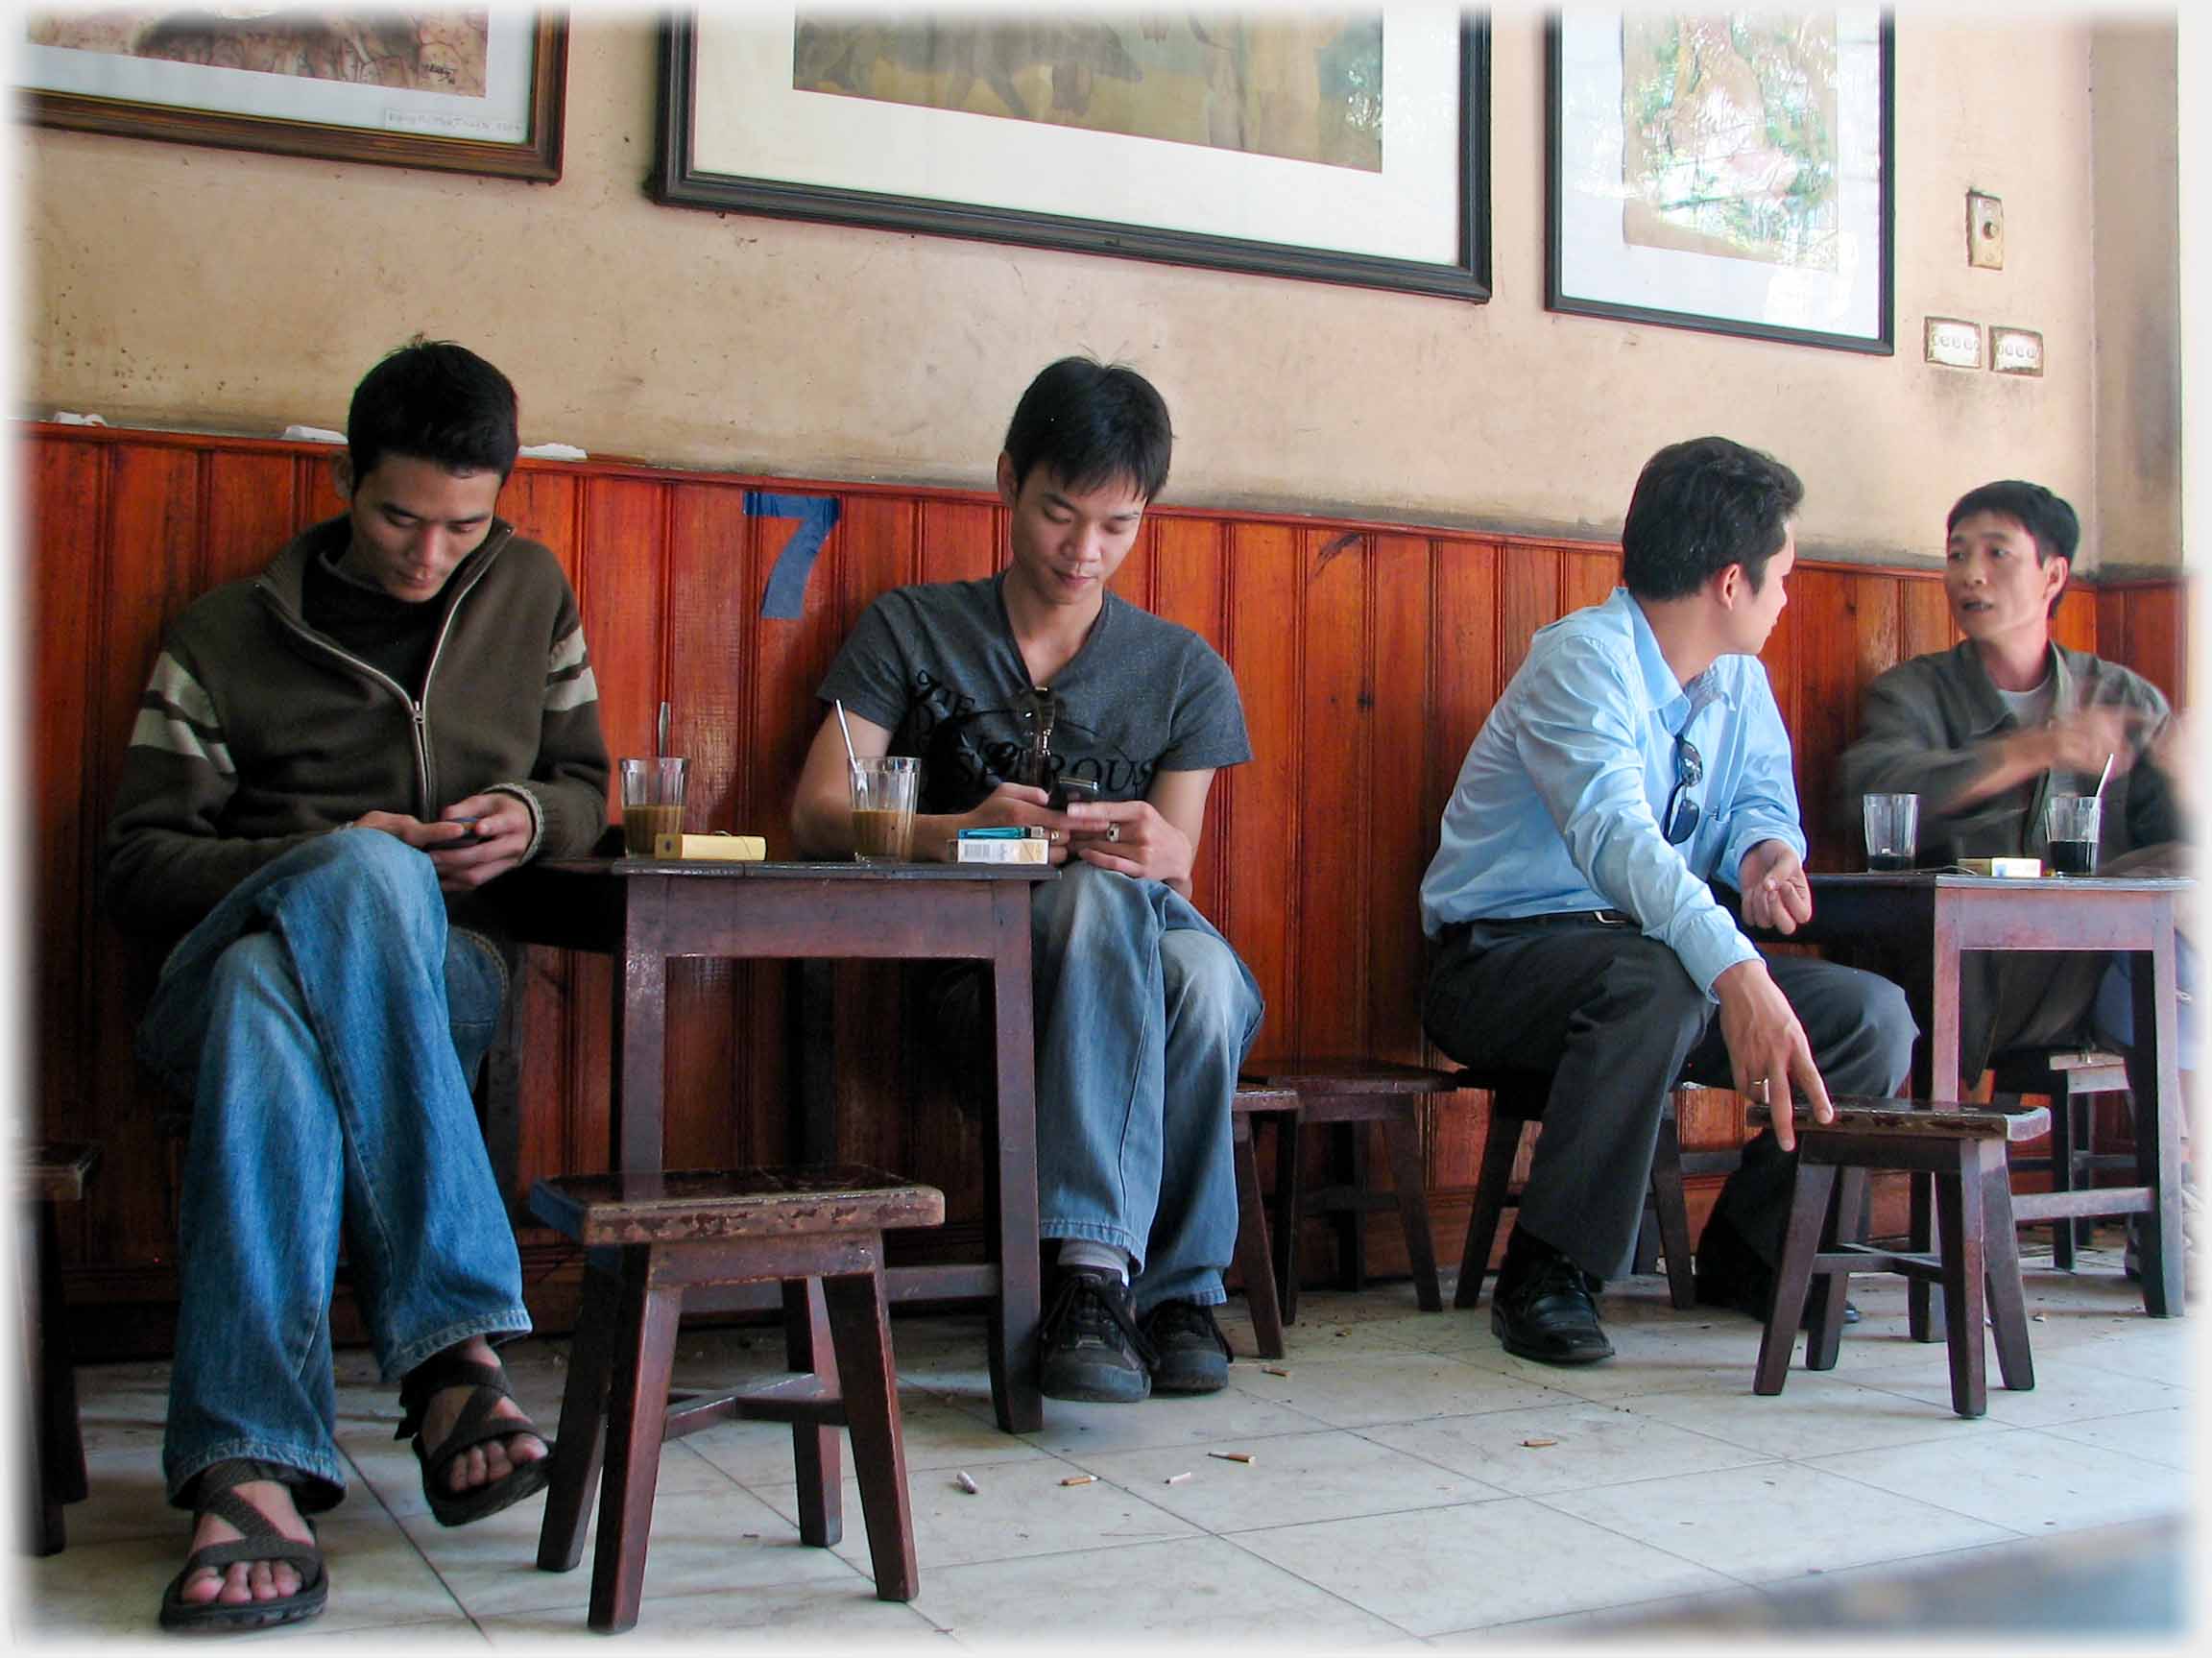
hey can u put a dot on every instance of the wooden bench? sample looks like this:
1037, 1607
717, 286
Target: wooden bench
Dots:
1961, 1149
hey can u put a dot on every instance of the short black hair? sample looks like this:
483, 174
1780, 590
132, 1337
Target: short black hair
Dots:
438, 402
1088, 424
1699, 507
2050, 521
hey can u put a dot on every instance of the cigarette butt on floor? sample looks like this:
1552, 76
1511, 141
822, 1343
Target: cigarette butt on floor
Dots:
1538, 1444
1080, 1479
1273, 1370
1232, 1455
966, 1482
1176, 1479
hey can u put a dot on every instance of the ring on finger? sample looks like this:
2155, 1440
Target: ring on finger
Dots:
1113, 832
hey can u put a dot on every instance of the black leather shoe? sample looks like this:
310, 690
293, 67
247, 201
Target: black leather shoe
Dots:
1547, 1313
1730, 1275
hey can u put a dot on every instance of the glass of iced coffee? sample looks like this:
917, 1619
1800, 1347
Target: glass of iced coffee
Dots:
885, 791
652, 803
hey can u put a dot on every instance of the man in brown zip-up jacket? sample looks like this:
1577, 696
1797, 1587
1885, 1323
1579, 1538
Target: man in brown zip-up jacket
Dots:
329, 762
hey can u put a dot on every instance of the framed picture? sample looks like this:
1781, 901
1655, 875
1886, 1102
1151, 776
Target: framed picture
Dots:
1338, 150
460, 91
1725, 172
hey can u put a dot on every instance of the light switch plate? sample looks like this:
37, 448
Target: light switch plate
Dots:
1984, 231
2016, 350
1954, 343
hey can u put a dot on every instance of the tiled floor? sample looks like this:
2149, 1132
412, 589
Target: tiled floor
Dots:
1410, 1485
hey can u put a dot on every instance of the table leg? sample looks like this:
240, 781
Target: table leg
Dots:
1011, 1177
1924, 1309
640, 1039
2154, 1075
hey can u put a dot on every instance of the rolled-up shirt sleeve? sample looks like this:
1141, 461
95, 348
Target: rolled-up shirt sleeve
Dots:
1578, 739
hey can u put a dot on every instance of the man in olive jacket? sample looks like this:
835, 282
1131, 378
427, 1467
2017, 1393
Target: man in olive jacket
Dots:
1985, 732
329, 762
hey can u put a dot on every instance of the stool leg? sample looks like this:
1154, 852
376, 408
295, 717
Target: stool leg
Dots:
43, 1533
1253, 1262
808, 1349
2062, 1106
1402, 1135
1501, 1143
1671, 1209
1923, 1302
1289, 1198
1800, 1242
581, 1440
1963, 1241
644, 1355
2008, 1305
870, 1382
1830, 1291
1348, 1157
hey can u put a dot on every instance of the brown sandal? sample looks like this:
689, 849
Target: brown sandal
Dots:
258, 1540
475, 1425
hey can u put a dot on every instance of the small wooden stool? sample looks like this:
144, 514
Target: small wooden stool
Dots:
1261, 1264
45, 1175
1517, 1100
648, 1237
1344, 1094
2071, 1080
1963, 1151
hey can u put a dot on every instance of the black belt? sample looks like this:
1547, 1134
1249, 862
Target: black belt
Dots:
1453, 931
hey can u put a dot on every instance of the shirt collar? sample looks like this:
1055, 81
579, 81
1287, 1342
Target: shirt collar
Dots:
1990, 710
1675, 704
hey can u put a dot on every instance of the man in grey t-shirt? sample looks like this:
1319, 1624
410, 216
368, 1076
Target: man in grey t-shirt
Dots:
1037, 697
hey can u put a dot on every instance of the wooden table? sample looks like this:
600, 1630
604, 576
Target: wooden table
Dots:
1924, 921
645, 912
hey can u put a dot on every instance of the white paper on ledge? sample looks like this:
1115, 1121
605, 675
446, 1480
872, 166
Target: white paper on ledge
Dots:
314, 435
63, 418
554, 452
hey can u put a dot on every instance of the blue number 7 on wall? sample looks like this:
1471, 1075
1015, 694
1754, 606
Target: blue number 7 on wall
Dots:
815, 515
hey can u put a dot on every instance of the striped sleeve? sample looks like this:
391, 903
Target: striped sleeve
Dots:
178, 717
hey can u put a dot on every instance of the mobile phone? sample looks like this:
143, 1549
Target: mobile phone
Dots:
470, 839
1064, 789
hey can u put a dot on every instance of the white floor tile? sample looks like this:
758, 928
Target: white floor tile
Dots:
1291, 1479
1207, 1594
2028, 1481
1425, 1570
1775, 1519
1565, 1445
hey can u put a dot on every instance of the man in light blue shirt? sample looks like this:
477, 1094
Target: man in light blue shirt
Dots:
1637, 755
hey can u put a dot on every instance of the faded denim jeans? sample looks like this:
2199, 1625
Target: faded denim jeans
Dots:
324, 1024
1143, 1015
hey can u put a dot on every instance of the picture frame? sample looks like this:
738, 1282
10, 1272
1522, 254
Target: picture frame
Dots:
737, 134
1686, 217
512, 130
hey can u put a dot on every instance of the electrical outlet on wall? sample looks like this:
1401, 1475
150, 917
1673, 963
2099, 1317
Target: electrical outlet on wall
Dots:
1984, 231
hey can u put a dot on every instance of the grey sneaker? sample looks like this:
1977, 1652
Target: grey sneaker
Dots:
1190, 1352
1087, 1345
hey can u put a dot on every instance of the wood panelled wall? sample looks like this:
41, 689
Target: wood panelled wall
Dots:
1367, 656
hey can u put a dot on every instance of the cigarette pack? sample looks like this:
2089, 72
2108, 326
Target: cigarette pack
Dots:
2008, 867
1008, 831
1027, 849
721, 846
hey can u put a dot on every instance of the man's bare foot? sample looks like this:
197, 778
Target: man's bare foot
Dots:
492, 1461
248, 1580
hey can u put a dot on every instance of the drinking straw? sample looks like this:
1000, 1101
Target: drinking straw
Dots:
851, 758
2105, 778
661, 734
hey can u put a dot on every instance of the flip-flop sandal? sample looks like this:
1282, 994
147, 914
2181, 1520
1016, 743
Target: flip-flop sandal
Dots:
474, 1425
260, 1541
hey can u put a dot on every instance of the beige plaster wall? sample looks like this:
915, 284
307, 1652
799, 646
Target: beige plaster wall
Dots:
2135, 181
174, 285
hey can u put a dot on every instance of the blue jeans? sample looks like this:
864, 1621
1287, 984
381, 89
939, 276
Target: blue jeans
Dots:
324, 1024
1144, 1014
